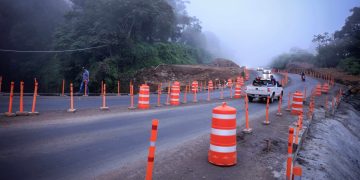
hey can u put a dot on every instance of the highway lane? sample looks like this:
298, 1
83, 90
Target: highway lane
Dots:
84, 148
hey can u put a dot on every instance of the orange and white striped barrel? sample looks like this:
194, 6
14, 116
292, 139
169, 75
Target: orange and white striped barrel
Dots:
318, 90
144, 97
325, 88
297, 103
175, 94
222, 150
230, 83
237, 91
211, 85
194, 86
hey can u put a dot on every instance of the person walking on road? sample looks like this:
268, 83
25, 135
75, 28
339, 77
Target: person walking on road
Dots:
85, 81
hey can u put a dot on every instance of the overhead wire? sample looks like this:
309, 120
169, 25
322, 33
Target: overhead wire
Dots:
52, 51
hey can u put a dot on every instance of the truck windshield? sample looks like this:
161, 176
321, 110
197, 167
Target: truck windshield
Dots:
262, 83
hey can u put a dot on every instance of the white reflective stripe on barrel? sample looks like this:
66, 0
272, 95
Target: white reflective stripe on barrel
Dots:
175, 94
295, 102
174, 99
224, 116
143, 102
222, 132
223, 149
152, 143
297, 109
144, 95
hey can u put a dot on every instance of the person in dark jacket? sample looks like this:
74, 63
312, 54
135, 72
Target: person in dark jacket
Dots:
85, 81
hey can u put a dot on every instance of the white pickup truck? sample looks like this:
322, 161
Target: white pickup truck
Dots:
263, 89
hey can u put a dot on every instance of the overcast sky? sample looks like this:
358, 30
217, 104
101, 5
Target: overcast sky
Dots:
252, 32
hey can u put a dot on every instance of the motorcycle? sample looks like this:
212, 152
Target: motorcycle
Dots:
303, 77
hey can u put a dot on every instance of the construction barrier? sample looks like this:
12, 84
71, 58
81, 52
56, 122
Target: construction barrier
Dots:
63, 88
104, 107
267, 122
247, 126
131, 97
71, 99
175, 94
237, 91
11, 96
221, 92
168, 95
151, 156
33, 112
21, 111
86, 88
118, 88
159, 95
297, 173
222, 150
318, 90
210, 85
325, 88
144, 97
289, 158
279, 113
230, 83
194, 88
297, 103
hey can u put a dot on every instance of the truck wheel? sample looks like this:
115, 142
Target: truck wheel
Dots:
250, 99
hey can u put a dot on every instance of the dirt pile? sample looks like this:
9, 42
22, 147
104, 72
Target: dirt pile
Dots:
220, 70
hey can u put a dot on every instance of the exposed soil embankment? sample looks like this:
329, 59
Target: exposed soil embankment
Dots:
220, 69
332, 147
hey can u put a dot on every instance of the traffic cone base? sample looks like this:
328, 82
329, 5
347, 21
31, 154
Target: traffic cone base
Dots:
9, 114
33, 113
247, 130
71, 110
266, 122
104, 108
24, 113
85, 95
279, 114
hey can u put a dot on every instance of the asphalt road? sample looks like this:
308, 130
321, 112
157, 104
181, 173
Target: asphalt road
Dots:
86, 147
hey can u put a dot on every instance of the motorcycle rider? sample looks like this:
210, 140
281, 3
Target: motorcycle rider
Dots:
303, 76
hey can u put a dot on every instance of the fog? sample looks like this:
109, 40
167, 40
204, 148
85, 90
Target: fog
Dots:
253, 32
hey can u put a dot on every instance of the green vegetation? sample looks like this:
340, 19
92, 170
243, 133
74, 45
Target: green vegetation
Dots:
130, 34
341, 50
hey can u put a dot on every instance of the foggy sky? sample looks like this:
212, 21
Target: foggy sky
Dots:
252, 32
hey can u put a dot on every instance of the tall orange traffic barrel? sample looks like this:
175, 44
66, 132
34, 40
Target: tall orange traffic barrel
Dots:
175, 94
297, 103
222, 150
144, 97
